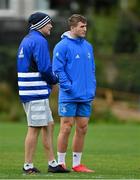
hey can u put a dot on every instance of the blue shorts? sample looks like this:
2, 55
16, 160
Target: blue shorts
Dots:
73, 109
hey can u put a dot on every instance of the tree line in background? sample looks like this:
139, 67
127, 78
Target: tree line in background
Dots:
115, 36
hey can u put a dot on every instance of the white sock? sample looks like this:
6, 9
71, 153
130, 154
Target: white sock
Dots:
76, 158
53, 163
28, 166
61, 158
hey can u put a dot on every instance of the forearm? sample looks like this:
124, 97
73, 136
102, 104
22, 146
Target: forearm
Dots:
50, 77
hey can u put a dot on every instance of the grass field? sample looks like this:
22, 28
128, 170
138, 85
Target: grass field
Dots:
112, 150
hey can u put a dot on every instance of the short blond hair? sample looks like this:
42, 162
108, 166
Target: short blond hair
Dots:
75, 19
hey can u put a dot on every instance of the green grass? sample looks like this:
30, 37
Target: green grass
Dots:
113, 150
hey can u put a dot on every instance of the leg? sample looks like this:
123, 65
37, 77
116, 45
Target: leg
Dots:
80, 132
47, 140
30, 140
78, 144
65, 129
30, 143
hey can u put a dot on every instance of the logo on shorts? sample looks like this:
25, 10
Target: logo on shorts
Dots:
63, 109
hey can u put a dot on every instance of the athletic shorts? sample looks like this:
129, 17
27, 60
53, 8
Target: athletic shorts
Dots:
73, 109
38, 113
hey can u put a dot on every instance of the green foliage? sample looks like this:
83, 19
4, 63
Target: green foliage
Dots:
128, 76
126, 37
102, 31
10, 107
8, 65
100, 73
104, 6
105, 116
136, 7
125, 72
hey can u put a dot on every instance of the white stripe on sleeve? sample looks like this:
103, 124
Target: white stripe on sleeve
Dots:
33, 92
32, 83
28, 75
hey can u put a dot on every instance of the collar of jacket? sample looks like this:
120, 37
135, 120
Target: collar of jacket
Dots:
37, 32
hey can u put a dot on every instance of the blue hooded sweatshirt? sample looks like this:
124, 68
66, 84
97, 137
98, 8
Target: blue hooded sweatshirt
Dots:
73, 62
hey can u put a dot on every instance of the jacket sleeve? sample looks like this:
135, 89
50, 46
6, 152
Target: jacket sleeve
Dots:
42, 57
93, 65
93, 62
59, 66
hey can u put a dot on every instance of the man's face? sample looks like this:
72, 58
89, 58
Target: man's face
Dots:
46, 30
80, 30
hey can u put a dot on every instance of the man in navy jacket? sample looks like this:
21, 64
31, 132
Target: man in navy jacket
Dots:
35, 78
73, 62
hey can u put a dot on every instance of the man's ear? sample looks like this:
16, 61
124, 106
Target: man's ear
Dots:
72, 27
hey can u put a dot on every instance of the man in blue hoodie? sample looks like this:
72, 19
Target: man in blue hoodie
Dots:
73, 62
35, 78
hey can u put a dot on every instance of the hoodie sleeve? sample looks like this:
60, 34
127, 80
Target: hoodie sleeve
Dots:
59, 64
93, 65
42, 57
93, 62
